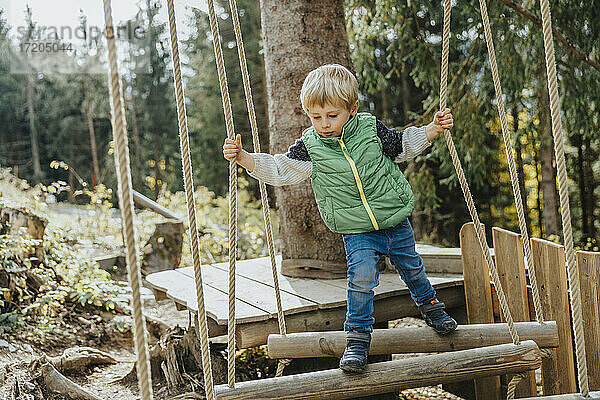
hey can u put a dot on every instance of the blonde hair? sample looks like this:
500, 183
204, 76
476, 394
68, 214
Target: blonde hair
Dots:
329, 84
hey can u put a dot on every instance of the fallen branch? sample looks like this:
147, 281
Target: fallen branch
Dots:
78, 359
58, 383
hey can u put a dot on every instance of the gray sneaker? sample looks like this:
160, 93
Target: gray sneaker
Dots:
357, 350
435, 316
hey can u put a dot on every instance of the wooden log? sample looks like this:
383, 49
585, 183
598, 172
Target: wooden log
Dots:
391, 376
558, 372
143, 201
410, 340
574, 396
510, 261
589, 282
478, 299
56, 382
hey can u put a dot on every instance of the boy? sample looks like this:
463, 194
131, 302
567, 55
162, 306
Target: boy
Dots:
360, 192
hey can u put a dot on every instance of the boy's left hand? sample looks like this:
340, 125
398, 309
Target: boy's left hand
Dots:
441, 120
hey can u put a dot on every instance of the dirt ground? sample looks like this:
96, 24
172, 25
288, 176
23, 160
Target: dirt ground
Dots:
16, 354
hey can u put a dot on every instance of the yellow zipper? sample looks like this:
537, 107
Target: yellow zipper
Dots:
358, 182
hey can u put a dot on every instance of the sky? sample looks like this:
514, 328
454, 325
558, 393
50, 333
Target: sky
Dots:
60, 13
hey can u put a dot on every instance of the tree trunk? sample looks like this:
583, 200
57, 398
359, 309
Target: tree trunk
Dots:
521, 171
35, 152
578, 142
156, 166
135, 130
589, 159
96, 180
300, 35
71, 182
549, 194
538, 206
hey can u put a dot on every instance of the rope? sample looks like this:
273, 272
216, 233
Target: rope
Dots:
465, 186
214, 29
512, 385
184, 143
126, 205
539, 315
262, 186
559, 152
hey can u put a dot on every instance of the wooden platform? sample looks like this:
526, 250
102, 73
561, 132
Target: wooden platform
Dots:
309, 304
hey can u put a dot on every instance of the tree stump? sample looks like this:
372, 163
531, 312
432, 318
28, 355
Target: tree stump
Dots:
163, 249
16, 218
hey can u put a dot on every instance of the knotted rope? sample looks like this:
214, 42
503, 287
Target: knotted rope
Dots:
184, 144
119, 125
465, 186
559, 153
263, 189
214, 29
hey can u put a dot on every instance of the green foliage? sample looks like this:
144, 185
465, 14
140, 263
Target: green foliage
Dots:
72, 281
396, 49
255, 363
588, 244
205, 110
212, 214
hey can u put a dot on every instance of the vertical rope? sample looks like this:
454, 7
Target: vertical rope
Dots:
214, 28
263, 190
511, 161
188, 181
559, 152
463, 181
126, 205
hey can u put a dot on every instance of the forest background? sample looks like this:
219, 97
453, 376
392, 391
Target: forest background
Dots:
56, 127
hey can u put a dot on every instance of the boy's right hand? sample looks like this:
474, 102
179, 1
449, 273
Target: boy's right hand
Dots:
233, 149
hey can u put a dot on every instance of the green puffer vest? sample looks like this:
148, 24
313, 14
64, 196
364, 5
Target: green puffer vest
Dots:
358, 189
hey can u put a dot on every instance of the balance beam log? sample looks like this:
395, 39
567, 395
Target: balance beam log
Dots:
410, 340
575, 396
391, 376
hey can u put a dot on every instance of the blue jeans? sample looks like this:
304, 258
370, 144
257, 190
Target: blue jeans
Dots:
363, 250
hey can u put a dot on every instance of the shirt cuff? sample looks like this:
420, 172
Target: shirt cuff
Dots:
421, 141
259, 170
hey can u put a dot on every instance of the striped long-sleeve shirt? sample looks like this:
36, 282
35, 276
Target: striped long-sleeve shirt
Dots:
295, 165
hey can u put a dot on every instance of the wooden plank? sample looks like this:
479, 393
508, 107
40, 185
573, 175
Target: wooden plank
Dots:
478, 299
510, 262
440, 260
386, 309
390, 376
558, 372
589, 283
182, 289
310, 289
410, 340
257, 294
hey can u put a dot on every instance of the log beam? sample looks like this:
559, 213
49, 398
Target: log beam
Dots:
574, 396
410, 340
391, 376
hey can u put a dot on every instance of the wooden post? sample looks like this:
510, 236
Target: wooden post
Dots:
558, 372
390, 376
510, 261
589, 282
478, 299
